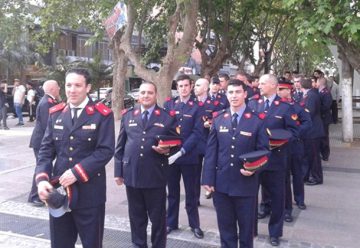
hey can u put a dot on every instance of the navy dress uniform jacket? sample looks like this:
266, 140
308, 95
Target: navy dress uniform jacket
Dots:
280, 115
207, 109
312, 103
222, 164
42, 115
326, 102
85, 148
135, 160
189, 126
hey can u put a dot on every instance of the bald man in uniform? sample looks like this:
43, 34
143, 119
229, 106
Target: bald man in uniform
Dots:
51, 89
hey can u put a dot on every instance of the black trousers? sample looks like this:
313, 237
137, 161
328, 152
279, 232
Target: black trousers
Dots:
325, 143
88, 223
312, 167
3, 115
33, 195
145, 204
294, 172
188, 173
274, 184
334, 112
235, 217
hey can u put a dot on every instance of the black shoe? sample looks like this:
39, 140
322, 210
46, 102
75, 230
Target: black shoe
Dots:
37, 203
19, 124
6, 128
274, 241
208, 195
312, 182
301, 206
198, 233
262, 215
169, 229
288, 218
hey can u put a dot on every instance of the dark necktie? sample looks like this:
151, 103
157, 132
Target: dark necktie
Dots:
234, 121
145, 118
212, 97
75, 115
267, 105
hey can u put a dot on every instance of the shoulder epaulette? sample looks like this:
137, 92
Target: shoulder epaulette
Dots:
254, 97
218, 113
102, 109
261, 115
124, 111
57, 107
167, 99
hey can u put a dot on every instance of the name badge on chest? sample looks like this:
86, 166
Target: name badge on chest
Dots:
223, 129
58, 127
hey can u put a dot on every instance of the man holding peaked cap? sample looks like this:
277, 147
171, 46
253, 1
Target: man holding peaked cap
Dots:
232, 179
146, 135
80, 138
277, 115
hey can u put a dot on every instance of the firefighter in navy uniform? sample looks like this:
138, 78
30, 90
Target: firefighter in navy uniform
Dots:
80, 138
295, 158
312, 167
326, 117
235, 131
142, 165
279, 115
51, 90
185, 162
207, 108
217, 94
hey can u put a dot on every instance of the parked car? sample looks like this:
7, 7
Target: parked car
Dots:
102, 94
128, 100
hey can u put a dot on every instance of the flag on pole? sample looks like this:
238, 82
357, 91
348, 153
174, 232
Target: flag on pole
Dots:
116, 20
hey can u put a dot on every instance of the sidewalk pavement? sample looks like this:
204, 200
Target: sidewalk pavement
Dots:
331, 219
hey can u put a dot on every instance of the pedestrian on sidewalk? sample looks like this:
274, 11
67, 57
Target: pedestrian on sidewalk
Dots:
52, 90
30, 97
142, 165
19, 100
3, 104
80, 139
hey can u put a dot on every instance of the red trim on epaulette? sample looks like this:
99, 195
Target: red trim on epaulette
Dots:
200, 103
157, 112
42, 176
124, 111
167, 98
214, 114
191, 103
90, 110
247, 115
262, 116
136, 112
102, 109
82, 173
57, 107
297, 123
302, 104
50, 100
255, 97
226, 115
276, 103
172, 113
216, 102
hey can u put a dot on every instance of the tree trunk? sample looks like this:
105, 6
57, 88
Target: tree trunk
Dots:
346, 102
119, 76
